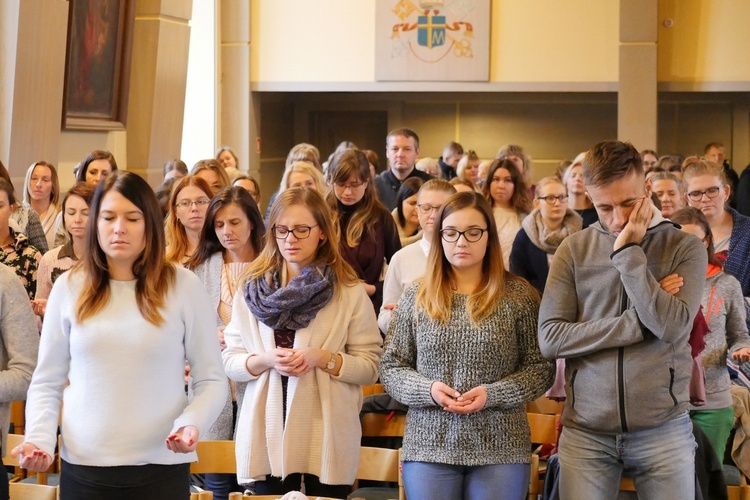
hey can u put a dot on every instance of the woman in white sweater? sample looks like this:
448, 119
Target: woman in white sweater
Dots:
303, 335
118, 330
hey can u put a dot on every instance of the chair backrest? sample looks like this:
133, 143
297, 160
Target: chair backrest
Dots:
378, 464
383, 424
31, 491
543, 428
545, 405
214, 457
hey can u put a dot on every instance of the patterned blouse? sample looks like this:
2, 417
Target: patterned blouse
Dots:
52, 265
23, 259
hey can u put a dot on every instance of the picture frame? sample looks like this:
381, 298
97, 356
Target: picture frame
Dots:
97, 64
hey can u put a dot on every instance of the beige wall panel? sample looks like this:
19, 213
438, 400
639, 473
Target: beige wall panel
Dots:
689, 126
157, 99
707, 41
179, 9
235, 21
636, 119
8, 43
531, 41
548, 131
638, 19
37, 87
235, 101
434, 123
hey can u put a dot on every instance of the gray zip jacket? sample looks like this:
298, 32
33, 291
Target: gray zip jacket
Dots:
624, 339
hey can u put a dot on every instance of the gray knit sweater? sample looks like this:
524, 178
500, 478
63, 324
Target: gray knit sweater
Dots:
501, 354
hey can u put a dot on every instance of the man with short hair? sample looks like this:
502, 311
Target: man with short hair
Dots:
402, 150
624, 339
452, 154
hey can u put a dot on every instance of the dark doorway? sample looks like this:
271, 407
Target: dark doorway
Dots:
366, 129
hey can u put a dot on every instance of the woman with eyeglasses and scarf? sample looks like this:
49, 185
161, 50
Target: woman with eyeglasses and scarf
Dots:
303, 336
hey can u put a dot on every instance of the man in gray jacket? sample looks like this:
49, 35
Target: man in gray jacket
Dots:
624, 339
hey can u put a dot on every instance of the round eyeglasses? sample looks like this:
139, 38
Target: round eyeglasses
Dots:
711, 192
299, 232
471, 235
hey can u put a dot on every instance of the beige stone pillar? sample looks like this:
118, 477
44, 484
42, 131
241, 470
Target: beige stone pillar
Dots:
157, 85
33, 36
238, 110
637, 95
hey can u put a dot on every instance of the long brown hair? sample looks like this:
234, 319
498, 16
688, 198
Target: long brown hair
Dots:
521, 198
436, 291
270, 259
153, 274
98, 154
176, 237
209, 242
342, 166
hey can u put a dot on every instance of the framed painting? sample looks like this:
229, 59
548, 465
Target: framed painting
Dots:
432, 40
97, 64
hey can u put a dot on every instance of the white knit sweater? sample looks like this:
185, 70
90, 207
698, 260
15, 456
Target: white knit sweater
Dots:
127, 390
322, 433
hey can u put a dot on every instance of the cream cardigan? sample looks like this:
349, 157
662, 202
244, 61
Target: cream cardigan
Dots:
323, 432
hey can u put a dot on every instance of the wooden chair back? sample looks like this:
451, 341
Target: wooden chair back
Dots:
214, 457
31, 491
383, 424
543, 431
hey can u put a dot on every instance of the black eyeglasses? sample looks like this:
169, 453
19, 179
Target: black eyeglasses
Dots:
299, 232
552, 199
711, 192
470, 235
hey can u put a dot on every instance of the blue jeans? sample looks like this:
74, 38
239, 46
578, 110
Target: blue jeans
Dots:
424, 480
661, 461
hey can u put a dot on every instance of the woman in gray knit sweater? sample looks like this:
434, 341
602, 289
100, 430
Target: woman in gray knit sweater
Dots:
462, 352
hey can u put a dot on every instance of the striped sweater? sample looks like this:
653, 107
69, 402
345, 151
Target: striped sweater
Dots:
500, 353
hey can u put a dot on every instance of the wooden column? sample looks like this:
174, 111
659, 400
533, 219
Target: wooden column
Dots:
238, 110
157, 85
33, 34
637, 95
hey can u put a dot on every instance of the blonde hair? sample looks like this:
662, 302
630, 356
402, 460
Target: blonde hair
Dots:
552, 179
214, 166
435, 294
271, 259
470, 156
694, 167
304, 152
307, 168
54, 196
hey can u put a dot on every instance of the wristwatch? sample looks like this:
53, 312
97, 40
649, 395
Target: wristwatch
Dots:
332, 363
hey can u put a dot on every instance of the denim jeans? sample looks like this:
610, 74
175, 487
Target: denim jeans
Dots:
661, 461
423, 480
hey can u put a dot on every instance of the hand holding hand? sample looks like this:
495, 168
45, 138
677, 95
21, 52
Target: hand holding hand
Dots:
635, 229
672, 283
184, 440
443, 394
469, 402
291, 363
741, 355
31, 458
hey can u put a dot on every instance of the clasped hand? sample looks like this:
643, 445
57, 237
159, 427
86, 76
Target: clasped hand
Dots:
296, 362
453, 401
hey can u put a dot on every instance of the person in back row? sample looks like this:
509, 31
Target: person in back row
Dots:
409, 263
623, 338
402, 150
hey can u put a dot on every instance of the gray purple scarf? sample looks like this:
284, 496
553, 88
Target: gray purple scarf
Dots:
295, 305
